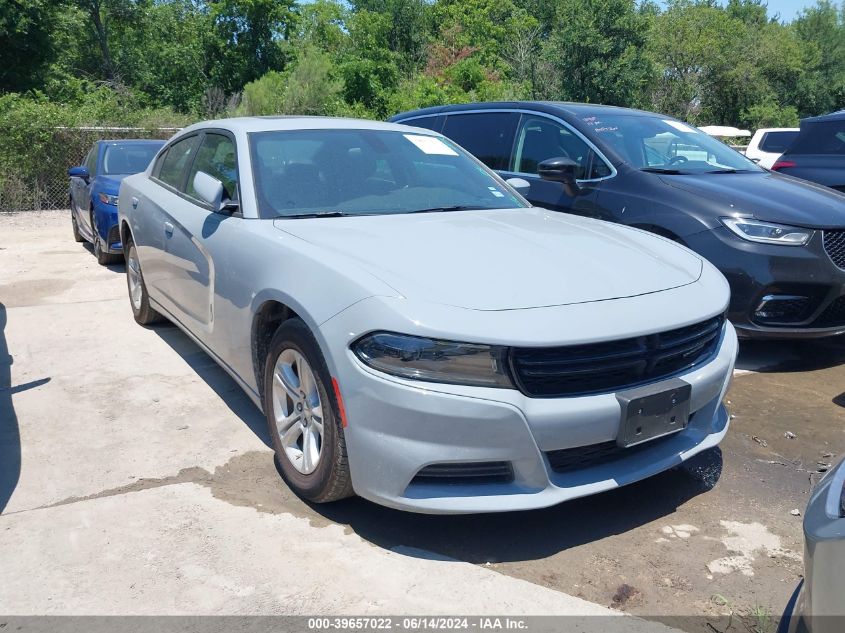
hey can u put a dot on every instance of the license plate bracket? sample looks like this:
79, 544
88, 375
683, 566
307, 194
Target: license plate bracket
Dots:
653, 411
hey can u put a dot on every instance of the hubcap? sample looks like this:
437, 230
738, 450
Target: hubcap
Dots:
298, 411
133, 274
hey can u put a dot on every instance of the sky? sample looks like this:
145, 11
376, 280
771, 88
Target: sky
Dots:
788, 9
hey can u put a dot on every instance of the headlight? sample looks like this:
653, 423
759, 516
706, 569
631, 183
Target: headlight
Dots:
107, 199
768, 232
433, 360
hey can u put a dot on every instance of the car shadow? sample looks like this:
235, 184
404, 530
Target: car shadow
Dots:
119, 267
786, 356
517, 536
216, 378
10, 438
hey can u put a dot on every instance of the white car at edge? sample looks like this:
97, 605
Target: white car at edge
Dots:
414, 331
767, 144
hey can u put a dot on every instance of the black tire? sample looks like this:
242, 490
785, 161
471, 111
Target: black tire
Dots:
77, 236
104, 258
144, 314
331, 480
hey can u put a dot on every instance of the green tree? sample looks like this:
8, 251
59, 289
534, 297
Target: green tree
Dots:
597, 52
25, 30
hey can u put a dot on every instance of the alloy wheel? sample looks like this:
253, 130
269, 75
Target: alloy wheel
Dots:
298, 411
133, 272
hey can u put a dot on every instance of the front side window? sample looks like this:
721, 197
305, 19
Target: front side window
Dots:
488, 136
91, 161
128, 158
175, 164
368, 172
216, 157
651, 143
540, 138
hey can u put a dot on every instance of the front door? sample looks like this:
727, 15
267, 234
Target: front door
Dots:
539, 138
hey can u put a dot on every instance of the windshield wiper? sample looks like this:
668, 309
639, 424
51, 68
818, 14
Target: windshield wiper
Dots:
729, 170
319, 214
664, 170
456, 207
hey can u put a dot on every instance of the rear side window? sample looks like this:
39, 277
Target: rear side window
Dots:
433, 123
216, 157
827, 137
777, 142
175, 165
488, 136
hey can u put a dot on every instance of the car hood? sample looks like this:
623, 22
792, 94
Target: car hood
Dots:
768, 196
503, 259
110, 184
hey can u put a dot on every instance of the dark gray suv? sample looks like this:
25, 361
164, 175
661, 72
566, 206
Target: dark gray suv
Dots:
780, 241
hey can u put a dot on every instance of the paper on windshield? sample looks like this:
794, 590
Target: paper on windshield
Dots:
431, 144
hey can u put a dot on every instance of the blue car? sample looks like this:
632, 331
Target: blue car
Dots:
93, 192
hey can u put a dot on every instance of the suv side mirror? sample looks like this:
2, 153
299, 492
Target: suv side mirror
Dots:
79, 172
560, 170
521, 185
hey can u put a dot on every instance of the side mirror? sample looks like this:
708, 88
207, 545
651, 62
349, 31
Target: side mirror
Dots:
209, 190
756, 161
520, 184
79, 172
560, 170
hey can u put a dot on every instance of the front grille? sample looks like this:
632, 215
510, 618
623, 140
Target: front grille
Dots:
465, 473
834, 246
612, 365
833, 315
569, 459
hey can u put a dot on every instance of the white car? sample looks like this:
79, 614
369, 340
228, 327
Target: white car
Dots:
769, 143
414, 331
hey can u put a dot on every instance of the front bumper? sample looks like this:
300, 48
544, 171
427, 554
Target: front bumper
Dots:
398, 427
756, 271
819, 606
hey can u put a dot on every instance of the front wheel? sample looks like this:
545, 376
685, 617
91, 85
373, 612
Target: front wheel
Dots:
139, 299
302, 416
104, 258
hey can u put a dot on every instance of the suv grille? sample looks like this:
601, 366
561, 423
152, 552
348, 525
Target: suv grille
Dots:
834, 246
833, 315
612, 365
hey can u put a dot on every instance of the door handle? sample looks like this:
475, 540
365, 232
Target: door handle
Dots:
134, 202
168, 229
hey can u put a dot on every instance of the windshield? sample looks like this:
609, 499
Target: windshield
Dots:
651, 143
368, 172
130, 158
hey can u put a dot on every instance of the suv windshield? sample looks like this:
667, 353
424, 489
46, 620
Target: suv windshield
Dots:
301, 173
130, 158
652, 143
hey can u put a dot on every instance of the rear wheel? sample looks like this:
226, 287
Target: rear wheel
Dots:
77, 236
142, 311
302, 416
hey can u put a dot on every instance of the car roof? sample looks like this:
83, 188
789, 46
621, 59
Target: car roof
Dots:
551, 107
130, 141
246, 125
839, 115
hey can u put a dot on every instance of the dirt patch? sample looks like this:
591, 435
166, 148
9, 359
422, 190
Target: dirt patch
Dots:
31, 291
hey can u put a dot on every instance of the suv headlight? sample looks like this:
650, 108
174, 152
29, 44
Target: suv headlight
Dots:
768, 232
107, 199
434, 360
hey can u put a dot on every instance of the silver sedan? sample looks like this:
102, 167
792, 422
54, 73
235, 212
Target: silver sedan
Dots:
414, 331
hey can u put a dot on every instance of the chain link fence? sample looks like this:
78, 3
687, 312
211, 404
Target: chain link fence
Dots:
33, 176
